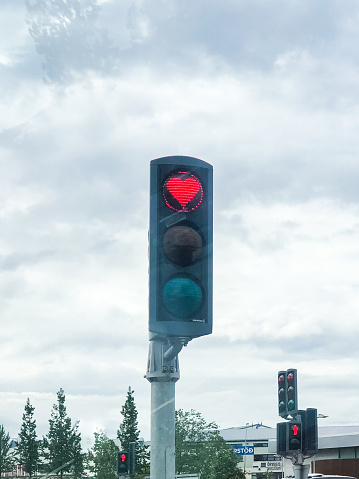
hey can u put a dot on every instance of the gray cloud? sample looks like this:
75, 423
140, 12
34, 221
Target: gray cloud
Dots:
267, 93
16, 260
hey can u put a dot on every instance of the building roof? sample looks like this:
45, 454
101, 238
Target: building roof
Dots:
256, 432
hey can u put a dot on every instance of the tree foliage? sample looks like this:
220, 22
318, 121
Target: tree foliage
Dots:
103, 456
62, 445
28, 447
6, 456
129, 432
201, 449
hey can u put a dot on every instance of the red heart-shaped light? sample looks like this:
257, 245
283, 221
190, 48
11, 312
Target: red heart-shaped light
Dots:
183, 190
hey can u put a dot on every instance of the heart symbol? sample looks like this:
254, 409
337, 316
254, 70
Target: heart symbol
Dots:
183, 189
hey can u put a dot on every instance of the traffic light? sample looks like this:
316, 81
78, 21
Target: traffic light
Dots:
132, 458
287, 392
281, 438
294, 436
310, 431
292, 399
181, 247
282, 394
122, 463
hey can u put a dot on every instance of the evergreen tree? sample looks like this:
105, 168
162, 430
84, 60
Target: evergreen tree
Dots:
28, 447
103, 456
129, 432
6, 457
62, 445
78, 456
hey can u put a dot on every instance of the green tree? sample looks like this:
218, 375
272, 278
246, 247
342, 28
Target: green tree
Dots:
6, 456
103, 456
28, 447
221, 461
78, 456
201, 449
129, 432
62, 445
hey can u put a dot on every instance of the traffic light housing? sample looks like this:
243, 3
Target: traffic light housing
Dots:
282, 438
282, 394
181, 247
310, 431
292, 396
132, 458
287, 393
122, 463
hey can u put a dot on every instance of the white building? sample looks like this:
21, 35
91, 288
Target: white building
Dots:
338, 451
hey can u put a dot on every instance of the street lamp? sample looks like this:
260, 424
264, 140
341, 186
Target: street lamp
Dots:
319, 416
245, 449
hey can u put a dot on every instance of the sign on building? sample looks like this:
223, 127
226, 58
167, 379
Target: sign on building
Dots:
243, 450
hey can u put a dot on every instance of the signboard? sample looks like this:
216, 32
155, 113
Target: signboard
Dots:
243, 450
276, 465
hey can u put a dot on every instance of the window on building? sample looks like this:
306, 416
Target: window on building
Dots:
260, 457
347, 453
266, 457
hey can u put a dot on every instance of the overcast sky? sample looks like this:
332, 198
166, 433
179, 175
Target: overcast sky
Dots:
264, 90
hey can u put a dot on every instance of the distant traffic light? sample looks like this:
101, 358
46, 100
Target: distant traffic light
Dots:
294, 436
287, 393
132, 458
180, 247
292, 399
282, 438
282, 394
122, 463
310, 431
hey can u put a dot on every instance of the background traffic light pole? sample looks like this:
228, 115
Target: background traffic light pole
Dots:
180, 287
297, 439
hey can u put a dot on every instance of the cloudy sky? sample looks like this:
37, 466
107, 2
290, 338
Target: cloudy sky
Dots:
264, 90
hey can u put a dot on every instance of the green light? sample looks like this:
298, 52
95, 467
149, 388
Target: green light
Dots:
182, 297
291, 405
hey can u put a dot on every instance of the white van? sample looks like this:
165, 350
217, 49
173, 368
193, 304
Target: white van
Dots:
324, 476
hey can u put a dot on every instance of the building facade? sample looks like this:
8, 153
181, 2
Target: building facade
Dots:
257, 447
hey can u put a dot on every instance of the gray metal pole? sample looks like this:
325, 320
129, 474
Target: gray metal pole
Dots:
162, 430
163, 372
301, 471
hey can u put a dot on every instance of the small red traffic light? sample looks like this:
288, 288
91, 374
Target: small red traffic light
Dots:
122, 463
183, 192
295, 436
